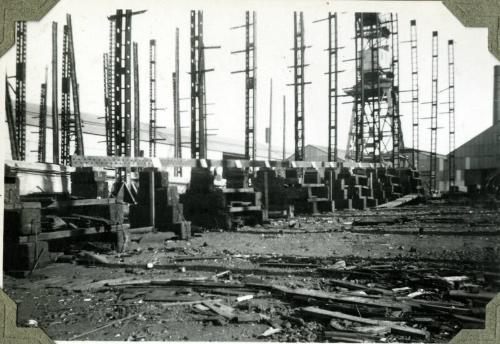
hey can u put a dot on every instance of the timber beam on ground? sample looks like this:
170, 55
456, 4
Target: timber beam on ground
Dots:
69, 233
162, 163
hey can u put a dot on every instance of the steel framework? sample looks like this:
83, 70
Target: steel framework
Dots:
451, 111
152, 98
434, 113
414, 95
107, 105
375, 134
20, 118
137, 113
55, 111
42, 123
250, 82
299, 84
177, 112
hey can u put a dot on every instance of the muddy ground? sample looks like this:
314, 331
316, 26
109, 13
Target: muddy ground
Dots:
66, 302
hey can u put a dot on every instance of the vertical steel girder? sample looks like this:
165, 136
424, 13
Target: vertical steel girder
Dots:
107, 122
122, 83
434, 113
177, 112
42, 124
332, 86
137, 113
11, 122
414, 95
65, 101
21, 89
451, 111
152, 98
284, 128
55, 111
71, 126
77, 123
198, 104
298, 73
110, 121
397, 134
250, 82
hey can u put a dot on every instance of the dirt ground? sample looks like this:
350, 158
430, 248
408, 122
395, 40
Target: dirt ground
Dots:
66, 302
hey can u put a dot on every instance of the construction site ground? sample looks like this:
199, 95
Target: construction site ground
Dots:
162, 288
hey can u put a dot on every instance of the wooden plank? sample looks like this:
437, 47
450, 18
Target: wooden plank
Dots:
46, 236
342, 298
395, 328
221, 309
355, 286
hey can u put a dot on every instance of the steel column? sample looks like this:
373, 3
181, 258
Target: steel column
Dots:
451, 112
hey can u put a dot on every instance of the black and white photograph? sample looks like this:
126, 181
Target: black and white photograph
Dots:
251, 171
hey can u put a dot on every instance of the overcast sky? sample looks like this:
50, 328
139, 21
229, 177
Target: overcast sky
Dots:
474, 63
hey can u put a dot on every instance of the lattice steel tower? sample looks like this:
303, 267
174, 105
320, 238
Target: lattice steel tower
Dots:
375, 134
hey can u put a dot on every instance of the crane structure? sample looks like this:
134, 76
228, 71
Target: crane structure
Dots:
375, 134
434, 113
250, 82
107, 105
414, 95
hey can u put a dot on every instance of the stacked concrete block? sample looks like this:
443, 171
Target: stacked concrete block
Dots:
89, 182
168, 209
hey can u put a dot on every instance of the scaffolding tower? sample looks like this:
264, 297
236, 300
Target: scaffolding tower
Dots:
299, 83
110, 120
250, 82
451, 112
152, 98
177, 112
375, 134
20, 119
414, 95
434, 114
42, 122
